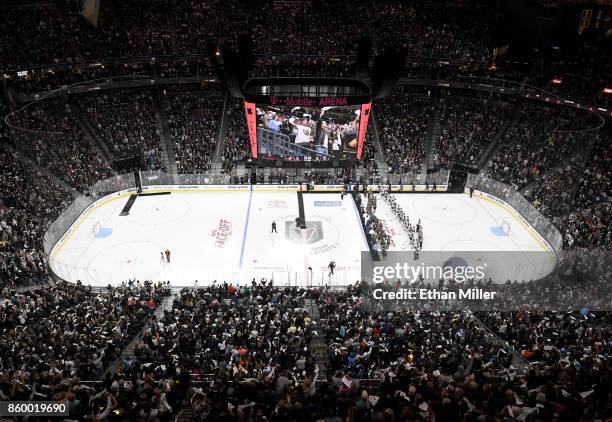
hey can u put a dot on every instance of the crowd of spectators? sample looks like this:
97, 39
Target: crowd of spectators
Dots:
42, 33
59, 339
137, 28
128, 124
403, 125
552, 192
219, 21
467, 128
595, 183
302, 28
193, 123
47, 132
369, 157
251, 353
435, 30
182, 28
278, 28
559, 190
36, 35
539, 140
580, 73
571, 352
29, 202
445, 364
286, 36
236, 147
325, 67
588, 223
238, 352
587, 229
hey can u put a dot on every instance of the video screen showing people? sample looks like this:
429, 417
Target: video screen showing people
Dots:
308, 133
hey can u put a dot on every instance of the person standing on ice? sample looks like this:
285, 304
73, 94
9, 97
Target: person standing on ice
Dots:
162, 258
331, 267
274, 227
168, 256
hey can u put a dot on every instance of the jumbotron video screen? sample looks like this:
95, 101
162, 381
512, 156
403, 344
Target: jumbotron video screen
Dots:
307, 133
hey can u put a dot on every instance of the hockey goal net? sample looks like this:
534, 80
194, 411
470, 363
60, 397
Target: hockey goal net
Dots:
505, 227
96, 229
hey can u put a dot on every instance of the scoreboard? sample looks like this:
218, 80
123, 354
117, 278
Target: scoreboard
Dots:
307, 119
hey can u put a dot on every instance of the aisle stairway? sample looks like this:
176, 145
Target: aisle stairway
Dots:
431, 138
128, 352
33, 166
511, 120
519, 363
91, 131
374, 136
318, 344
165, 139
221, 131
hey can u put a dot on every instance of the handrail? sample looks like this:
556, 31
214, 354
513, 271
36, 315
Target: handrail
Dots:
114, 82
519, 358
112, 60
510, 88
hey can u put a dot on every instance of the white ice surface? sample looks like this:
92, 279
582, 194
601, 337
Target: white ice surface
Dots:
227, 236
193, 226
456, 222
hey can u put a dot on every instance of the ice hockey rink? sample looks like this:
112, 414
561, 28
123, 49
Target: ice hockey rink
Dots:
225, 235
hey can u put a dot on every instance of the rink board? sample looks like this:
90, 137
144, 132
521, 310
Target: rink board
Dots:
223, 233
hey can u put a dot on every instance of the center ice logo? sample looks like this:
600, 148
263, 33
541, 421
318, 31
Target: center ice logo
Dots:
222, 233
311, 234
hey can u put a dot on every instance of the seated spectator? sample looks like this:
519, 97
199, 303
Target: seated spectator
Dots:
237, 147
128, 124
467, 128
48, 133
404, 122
193, 122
